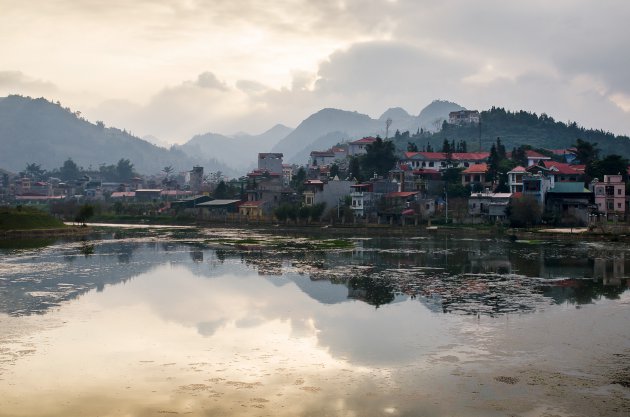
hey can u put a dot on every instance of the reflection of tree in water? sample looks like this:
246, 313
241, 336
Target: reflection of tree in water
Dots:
373, 291
581, 291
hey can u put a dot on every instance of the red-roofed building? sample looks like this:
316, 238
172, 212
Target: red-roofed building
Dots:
475, 174
564, 172
440, 160
533, 157
515, 179
358, 146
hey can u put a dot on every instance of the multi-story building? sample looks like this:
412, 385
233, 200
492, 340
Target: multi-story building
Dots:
358, 146
441, 161
610, 195
463, 117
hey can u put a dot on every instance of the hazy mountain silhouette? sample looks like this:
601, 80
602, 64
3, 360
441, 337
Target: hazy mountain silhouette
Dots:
42, 132
239, 151
329, 126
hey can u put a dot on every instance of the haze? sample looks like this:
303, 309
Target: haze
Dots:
172, 68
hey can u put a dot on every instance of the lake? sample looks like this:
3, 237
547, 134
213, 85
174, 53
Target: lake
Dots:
217, 322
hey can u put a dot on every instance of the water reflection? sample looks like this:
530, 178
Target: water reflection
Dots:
206, 330
468, 276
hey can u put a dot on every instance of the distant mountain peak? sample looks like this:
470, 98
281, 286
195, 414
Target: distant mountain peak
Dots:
394, 113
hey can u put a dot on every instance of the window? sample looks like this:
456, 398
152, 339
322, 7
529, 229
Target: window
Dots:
618, 205
618, 191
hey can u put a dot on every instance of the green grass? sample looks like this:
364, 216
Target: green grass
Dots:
27, 218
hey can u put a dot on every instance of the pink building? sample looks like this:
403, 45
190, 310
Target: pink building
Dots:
610, 195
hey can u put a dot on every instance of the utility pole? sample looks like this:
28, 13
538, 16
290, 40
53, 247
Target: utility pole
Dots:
446, 204
388, 123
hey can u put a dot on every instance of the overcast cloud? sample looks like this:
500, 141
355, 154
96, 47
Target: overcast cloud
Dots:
175, 68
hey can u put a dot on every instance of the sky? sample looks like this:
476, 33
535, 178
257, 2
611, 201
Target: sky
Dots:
176, 68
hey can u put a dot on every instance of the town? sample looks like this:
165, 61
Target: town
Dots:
362, 181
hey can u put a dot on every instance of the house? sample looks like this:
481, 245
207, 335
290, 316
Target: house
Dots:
489, 206
569, 202
270, 162
515, 179
536, 186
610, 196
441, 160
563, 172
212, 208
475, 174
148, 194
568, 154
331, 193
196, 179
358, 146
321, 158
190, 202
534, 158
253, 209
463, 117
397, 206
362, 199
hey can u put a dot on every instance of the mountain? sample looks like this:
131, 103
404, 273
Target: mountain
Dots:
239, 151
42, 132
432, 116
330, 126
523, 128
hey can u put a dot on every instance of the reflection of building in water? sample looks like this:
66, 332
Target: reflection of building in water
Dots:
498, 265
196, 255
609, 270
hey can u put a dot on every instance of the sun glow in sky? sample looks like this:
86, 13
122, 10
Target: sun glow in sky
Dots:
176, 68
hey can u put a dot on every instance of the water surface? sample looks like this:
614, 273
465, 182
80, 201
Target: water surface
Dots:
177, 322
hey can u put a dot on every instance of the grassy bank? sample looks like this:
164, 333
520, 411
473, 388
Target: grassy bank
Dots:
28, 222
27, 218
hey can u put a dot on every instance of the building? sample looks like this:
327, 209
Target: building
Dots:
515, 179
536, 186
463, 117
610, 196
196, 179
321, 158
475, 174
358, 146
270, 162
489, 206
569, 203
362, 199
331, 193
534, 158
441, 161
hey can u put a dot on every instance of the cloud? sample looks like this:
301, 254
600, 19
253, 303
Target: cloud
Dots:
210, 81
16, 82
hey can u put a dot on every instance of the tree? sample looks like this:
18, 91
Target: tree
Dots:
221, 190
69, 170
524, 212
85, 212
355, 168
297, 182
334, 170
610, 165
124, 170
168, 170
586, 152
446, 147
379, 157
412, 147
34, 171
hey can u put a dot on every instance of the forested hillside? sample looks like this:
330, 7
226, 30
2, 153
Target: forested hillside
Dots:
518, 128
